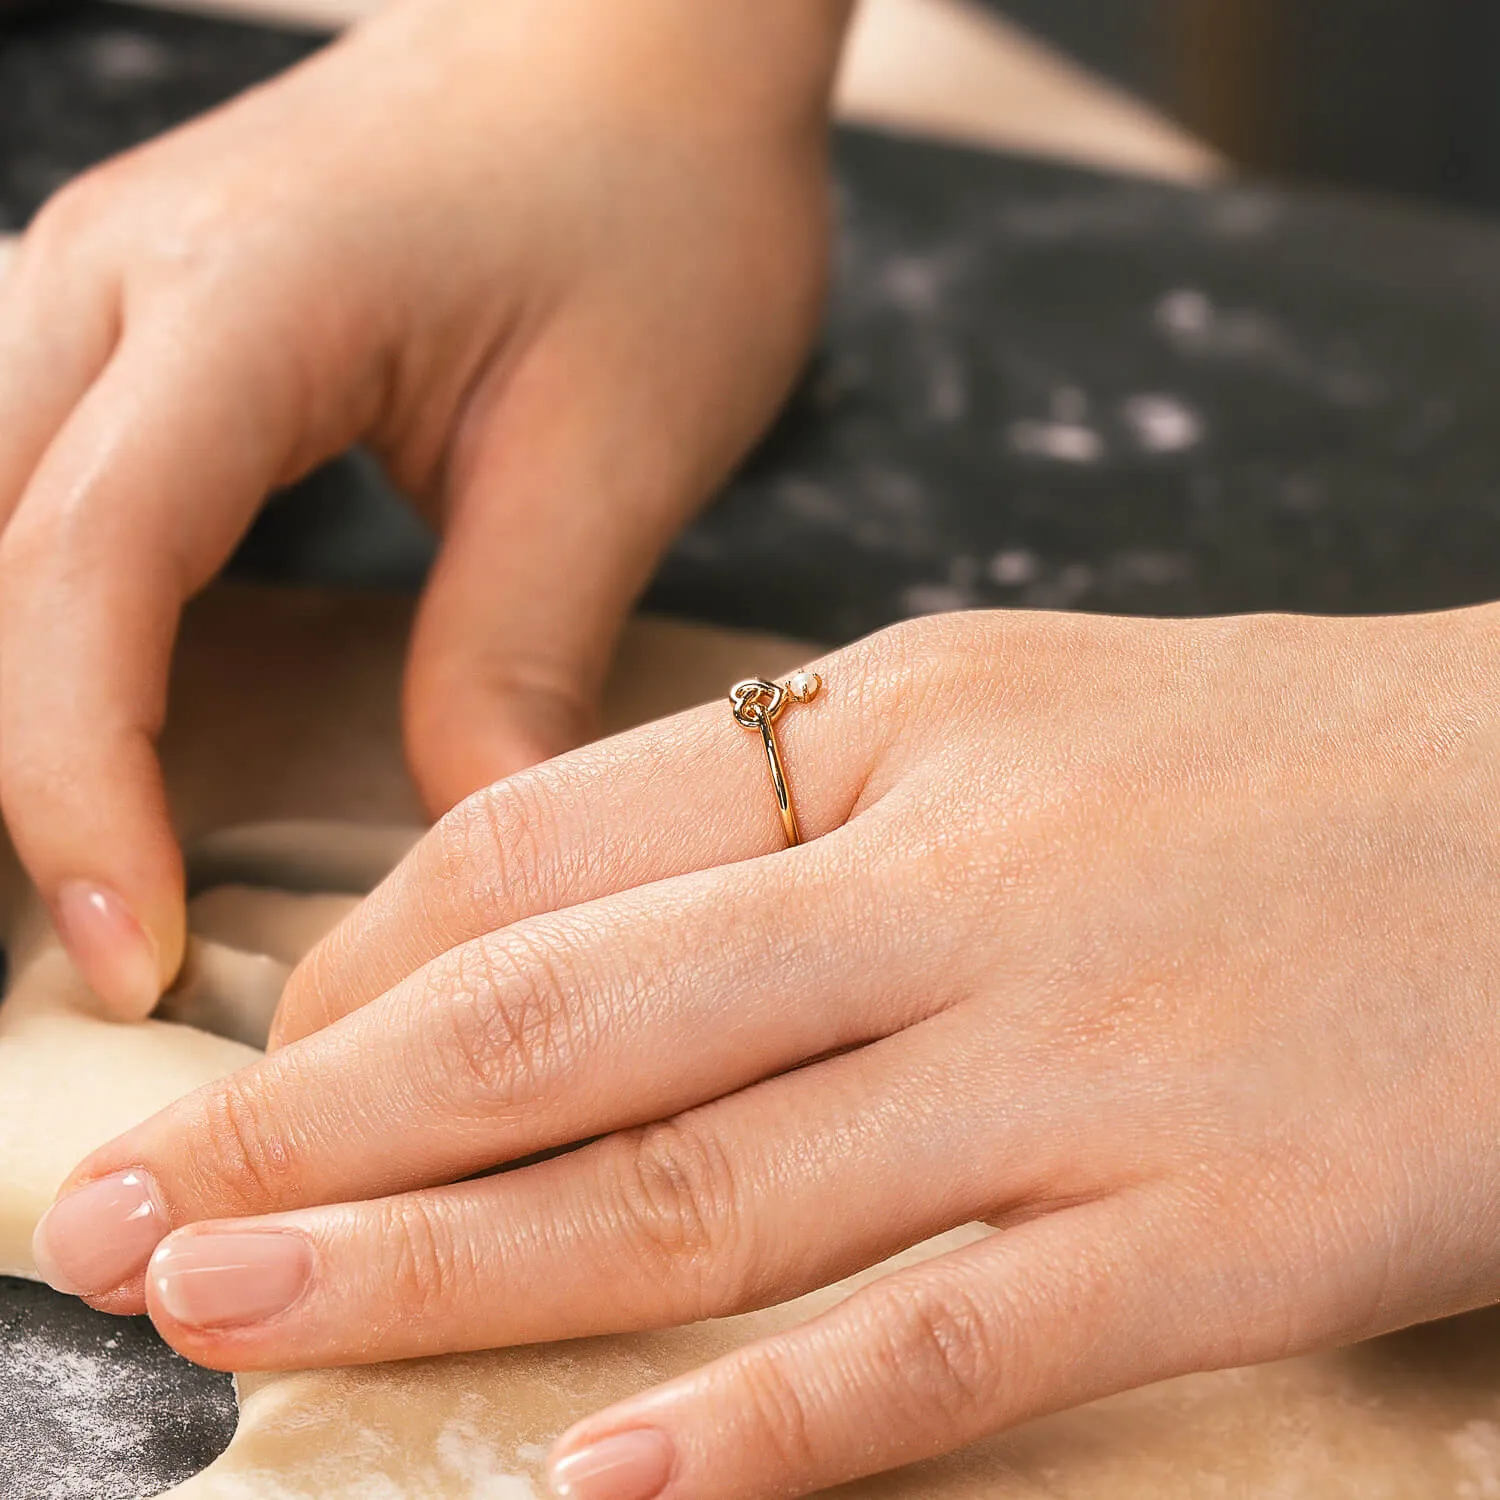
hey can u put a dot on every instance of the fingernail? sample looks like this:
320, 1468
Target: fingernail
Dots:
113, 951
628, 1466
227, 1280
100, 1235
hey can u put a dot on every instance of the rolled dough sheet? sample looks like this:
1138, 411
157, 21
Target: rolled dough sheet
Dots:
284, 708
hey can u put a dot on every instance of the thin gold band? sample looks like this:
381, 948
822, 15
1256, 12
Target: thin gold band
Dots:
757, 704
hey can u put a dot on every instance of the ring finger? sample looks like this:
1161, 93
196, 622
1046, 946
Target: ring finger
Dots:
685, 794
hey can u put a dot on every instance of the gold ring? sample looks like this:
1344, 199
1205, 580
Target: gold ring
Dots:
757, 704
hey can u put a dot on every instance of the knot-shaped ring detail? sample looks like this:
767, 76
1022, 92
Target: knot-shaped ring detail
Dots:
757, 704
754, 699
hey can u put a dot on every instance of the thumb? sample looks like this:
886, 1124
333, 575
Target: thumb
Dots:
556, 517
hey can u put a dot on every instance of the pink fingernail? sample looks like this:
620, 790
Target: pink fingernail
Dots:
113, 951
628, 1466
100, 1235
214, 1280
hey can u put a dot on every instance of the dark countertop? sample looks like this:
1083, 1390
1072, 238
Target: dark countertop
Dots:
97, 1408
1037, 386
1049, 387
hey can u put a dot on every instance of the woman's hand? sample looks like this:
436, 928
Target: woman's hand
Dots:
556, 261
1169, 948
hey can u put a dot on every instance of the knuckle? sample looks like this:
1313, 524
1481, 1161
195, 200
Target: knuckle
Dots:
512, 1020
491, 847
681, 1208
431, 1269
249, 1164
934, 1342
775, 1408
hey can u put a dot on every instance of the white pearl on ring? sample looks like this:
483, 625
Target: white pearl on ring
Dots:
803, 686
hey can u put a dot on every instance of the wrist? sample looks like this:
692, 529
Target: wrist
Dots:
797, 43
736, 66
711, 62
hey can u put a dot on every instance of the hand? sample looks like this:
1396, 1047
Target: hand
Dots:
1166, 947
556, 261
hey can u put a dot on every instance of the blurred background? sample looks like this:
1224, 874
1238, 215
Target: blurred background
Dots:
1392, 95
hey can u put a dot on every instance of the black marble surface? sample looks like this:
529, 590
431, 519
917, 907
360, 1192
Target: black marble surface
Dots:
1037, 386
96, 1408
1047, 387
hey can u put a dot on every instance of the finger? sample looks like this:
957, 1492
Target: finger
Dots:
685, 794
1061, 1310
574, 468
747, 1201
556, 1030
58, 328
550, 535
136, 502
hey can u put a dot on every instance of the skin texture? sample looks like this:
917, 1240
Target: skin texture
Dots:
555, 261
1166, 947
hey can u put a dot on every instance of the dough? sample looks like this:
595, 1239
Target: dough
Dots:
303, 725
247, 927
70, 1080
